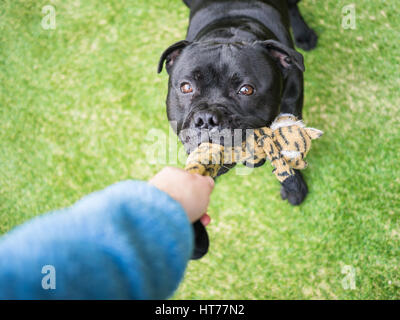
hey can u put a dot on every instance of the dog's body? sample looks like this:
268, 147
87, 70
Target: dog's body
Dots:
237, 69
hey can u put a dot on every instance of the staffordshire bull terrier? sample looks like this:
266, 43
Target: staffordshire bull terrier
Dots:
237, 69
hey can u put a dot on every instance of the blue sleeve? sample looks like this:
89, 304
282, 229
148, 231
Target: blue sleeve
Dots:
129, 241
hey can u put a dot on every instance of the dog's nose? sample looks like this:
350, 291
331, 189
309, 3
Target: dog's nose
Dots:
206, 120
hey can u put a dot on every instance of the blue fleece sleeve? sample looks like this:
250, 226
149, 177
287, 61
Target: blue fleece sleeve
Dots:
129, 241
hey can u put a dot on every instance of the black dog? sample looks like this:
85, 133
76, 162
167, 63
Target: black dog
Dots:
238, 69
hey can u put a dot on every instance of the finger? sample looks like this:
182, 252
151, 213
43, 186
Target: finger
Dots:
207, 179
210, 181
205, 219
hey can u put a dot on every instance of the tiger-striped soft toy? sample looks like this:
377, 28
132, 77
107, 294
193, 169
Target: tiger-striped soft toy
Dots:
285, 144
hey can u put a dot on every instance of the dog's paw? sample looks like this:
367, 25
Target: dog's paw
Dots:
306, 40
294, 189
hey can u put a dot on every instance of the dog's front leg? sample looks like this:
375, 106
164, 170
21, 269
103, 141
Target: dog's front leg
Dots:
292, 96
294, 189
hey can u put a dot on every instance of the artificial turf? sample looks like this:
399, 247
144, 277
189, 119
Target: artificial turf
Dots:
77, 104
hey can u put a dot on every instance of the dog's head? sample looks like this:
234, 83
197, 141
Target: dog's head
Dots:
225, 85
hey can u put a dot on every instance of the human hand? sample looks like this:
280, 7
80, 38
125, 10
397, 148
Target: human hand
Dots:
192, 191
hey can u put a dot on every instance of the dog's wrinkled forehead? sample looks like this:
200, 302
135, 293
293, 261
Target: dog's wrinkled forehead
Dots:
213, 61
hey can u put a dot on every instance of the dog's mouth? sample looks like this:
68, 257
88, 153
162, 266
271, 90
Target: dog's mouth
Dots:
192, 138
231, 133
227, 137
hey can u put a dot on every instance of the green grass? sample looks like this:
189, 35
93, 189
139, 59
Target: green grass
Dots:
76, 102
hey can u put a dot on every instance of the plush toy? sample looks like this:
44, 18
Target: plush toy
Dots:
285, 144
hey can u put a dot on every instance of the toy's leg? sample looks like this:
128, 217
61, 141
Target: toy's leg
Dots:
296, 163
201, 241
294, 189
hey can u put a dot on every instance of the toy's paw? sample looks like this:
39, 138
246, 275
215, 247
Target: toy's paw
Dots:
294, 189
298, 164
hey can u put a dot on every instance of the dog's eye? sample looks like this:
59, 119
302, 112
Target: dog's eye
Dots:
186, 87
246, 90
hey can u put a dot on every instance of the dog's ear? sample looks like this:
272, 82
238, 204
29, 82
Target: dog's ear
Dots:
170, 55
287, 57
